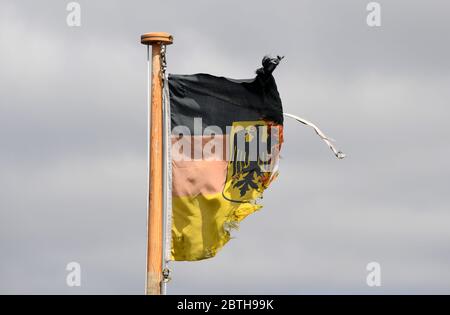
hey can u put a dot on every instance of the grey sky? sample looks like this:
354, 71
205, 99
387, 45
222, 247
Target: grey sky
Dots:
73, 155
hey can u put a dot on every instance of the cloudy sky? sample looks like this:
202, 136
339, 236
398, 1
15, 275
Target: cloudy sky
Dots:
73, 144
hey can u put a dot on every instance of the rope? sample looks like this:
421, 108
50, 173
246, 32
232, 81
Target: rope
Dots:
167, 173
339, 154
148, 149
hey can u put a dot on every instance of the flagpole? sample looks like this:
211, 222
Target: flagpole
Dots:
155, 175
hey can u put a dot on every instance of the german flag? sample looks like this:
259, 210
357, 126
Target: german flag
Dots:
226, 138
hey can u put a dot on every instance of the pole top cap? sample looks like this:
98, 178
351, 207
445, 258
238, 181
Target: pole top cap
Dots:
156, 37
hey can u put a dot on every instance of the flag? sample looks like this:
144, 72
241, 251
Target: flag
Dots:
225, 143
